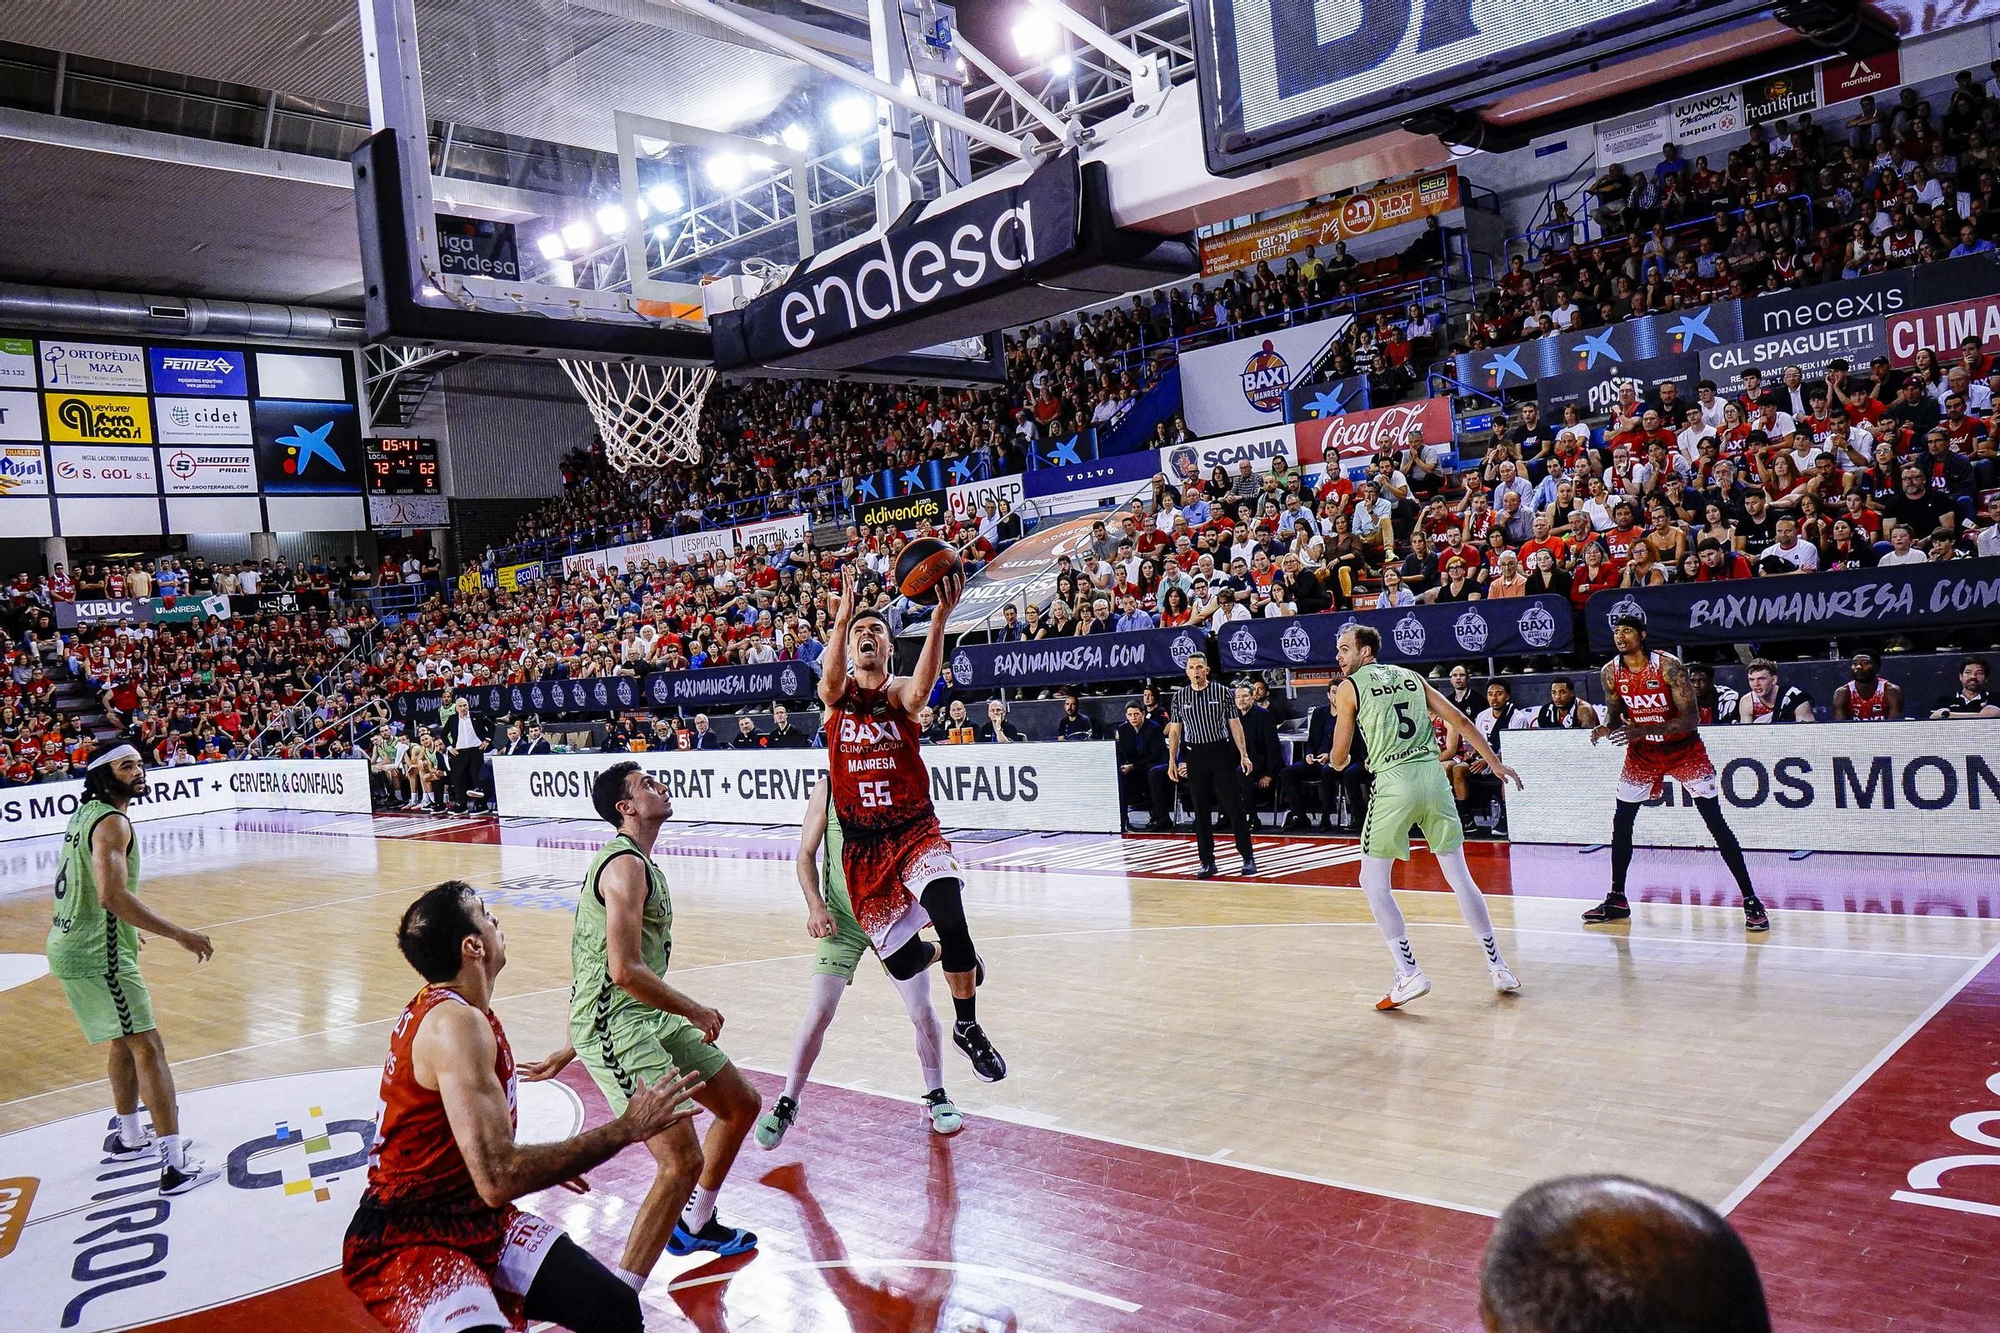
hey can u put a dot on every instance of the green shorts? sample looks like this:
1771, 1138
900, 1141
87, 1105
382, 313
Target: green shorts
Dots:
644, 1045
110, 1005
1417, 793
839, 954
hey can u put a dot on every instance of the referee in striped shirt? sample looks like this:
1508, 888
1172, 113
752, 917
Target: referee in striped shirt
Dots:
1205, 750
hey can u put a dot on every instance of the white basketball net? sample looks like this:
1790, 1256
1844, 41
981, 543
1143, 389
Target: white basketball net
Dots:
648, 412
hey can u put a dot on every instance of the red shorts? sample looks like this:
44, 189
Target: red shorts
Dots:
1648, 765
885, 872
442, 1279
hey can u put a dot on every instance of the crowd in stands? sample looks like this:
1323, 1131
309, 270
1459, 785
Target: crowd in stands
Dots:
1801, 203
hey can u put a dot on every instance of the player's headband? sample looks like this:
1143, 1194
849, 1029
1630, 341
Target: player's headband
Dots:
112, 756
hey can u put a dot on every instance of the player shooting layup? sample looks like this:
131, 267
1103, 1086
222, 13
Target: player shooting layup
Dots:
900, 871
830, 920
1650, 707
93, 950
1394, 708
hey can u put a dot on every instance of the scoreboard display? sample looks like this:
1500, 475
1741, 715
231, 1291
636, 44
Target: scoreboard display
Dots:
403, 465
1283, 78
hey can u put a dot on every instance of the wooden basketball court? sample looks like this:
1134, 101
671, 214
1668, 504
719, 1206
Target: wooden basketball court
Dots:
1207, 1124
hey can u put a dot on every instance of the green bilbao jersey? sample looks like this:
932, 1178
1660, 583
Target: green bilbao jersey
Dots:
832, 878
85, 940
592, 996
1393, 716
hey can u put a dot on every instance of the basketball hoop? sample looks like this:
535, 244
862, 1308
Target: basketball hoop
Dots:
648, 412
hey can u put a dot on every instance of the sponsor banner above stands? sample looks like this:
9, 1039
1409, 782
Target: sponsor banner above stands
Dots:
81, 367
905, 511
1848, 77
1781, 95
20, 415
1706, 117
248, 784
1943, 327
141, 610
1350, 441
95, 469
97, 418
306, 446
1444, 632
17, 363
1642, 339
778, 533
1090, 659
1023, 574
1829, 789
1811, 351
1328, 398
278, 603
194, 471
513, 578
24, 470
1634, 136
1344, 217
771, 682
1199, 458
1594, 391
1906, 599
1120, 475
408, 511
966, 499
1241, 385
1051, 786
206, 372
203, 420
1845, 302
732, 684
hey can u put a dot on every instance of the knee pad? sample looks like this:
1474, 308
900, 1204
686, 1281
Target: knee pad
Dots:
944, 900
910, 960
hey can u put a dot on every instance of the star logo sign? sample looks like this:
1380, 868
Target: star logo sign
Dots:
302, 446
1331, 403
1691, 327
1066, 452
1594, 346
959, 471
912, 480
866, 488
1503, 363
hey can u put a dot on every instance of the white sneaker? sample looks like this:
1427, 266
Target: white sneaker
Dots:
1504, 979
147, 1146
190, 1175
1413, 986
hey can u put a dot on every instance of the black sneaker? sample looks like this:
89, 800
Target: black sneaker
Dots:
1207, 871
722, 1240
181, 1179
1613, 908
1754, 915
986, 1062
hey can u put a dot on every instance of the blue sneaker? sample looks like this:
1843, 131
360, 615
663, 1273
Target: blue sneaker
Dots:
722, 1240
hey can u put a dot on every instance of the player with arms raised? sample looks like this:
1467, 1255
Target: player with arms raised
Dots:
1650, 708
900, 871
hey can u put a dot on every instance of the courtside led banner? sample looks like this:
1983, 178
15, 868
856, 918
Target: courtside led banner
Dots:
1047, 786
249, 784
1917, 788
1342, 218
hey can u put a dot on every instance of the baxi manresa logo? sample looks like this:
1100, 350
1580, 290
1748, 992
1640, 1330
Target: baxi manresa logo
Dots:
1470, 631
1242, 646
1295, 643
1181, 649
788, 679
961, 668
1265, 375
1537, 627
1408, 636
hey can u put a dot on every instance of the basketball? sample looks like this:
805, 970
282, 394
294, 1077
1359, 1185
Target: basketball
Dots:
924, 564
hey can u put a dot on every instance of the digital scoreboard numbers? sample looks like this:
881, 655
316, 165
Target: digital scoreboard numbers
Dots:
1281, 78
403, 465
